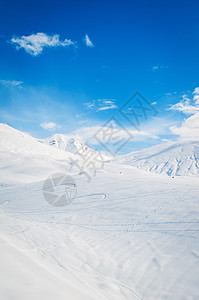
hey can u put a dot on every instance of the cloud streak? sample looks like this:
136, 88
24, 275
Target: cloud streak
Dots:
101, 104
88, 41
12, 83
34, 44
159, 67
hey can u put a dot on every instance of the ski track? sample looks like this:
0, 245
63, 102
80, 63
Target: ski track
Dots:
86, 203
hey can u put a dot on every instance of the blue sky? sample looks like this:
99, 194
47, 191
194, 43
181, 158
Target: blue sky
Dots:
68, 66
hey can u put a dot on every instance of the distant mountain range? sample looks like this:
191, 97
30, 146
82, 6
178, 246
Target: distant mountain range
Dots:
172, 158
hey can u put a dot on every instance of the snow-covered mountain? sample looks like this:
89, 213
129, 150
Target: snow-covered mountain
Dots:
67, 143
124, 236
21, 152
24, 158
15, 141
172, 158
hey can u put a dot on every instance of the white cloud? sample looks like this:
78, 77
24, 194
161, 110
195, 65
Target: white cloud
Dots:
50, 125
189, 128
155, 68
171, 94
196, 91
88, 41
112, 106
107, 101
185, 108
101, 104
196, 95
35, 43
89, 104
188, 106
86, 134
159, 67
12, 83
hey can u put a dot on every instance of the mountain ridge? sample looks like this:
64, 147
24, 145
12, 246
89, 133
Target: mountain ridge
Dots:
179, 158
171, 158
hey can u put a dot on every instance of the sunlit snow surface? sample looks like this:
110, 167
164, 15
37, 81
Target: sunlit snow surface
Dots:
171, 158
128, 234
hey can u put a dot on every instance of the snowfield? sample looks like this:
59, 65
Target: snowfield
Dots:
128, 234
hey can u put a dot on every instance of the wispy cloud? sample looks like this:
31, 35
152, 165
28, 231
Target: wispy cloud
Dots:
159, 67
35, 43
12, 83
101, 104
112, 106
88, 41
87, 134
89, 104
171, 94
49, 126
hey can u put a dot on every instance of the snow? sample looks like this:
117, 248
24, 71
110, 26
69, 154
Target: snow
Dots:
171, 158
129, 233
66, 143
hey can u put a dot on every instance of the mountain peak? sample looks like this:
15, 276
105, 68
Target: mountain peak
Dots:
67, 143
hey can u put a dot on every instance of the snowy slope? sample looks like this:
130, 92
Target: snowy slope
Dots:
15, 141
172, 158
127, 235
67, 143
20, 152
